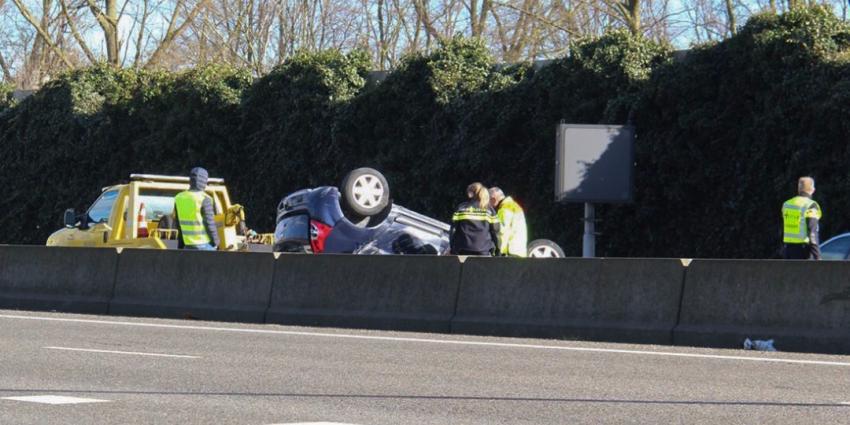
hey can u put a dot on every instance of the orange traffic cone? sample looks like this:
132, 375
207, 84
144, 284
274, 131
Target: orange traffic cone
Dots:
143, 224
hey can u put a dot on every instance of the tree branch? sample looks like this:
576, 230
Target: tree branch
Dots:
76, 33
43, 33
537, 17
101, 17
138, 57
7, 73
422, 13
730, 12
174, 33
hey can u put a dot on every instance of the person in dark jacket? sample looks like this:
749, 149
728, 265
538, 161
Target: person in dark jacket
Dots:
194, 214
475, 227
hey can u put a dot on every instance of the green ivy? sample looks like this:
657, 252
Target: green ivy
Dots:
6, 99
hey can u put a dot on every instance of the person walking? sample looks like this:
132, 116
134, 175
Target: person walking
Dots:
513, 233
475, 227
800, 216
194, 214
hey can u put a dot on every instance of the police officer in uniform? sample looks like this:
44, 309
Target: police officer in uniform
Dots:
475, 227
194, 213
800, 216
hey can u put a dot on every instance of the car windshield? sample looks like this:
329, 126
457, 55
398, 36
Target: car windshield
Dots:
100, 210
157, 203
836, 249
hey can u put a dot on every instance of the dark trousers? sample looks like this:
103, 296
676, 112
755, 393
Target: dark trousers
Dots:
468, 252
801, 251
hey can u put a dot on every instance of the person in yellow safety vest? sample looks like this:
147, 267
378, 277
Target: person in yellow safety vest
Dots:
800, 216
513, 233
194, 214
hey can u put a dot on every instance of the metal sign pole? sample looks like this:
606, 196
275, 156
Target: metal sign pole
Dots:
589, 240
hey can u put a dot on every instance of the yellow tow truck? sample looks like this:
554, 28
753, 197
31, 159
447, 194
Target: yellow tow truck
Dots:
138, 214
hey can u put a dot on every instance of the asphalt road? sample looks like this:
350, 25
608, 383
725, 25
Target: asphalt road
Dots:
168, 371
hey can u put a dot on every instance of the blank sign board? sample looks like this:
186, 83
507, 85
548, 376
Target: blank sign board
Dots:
594, 163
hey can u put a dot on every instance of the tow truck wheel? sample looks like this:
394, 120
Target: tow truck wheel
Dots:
544, 248
365, 192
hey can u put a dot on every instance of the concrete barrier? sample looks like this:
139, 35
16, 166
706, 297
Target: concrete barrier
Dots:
802, 305
415, 293
78, 280
625, 300
193, 284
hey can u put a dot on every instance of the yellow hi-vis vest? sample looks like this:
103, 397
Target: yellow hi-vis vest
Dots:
513, 234
188, 205
795, 211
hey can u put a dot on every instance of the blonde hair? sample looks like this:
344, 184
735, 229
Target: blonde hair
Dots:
478, 192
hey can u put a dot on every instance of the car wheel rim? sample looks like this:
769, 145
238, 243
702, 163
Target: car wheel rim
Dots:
368, 191
543, 251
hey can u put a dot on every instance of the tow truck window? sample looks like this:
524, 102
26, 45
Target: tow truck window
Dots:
157, 203
100, 210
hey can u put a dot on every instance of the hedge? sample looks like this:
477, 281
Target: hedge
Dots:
722, 133
6, 99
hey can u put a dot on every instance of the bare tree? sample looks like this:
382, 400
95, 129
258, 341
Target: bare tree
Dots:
44, 38
424, 18
478, 15
140, 35
529, 29
385, 29
174, 30
72, 19
108, 21
7, 72
39, 38
730, 13
629, 11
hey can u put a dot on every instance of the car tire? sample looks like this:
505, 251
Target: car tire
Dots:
544, 248
365, 192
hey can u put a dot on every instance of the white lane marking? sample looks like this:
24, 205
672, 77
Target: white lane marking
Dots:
314, 423
845, 402
55, 399
88, 350
433, 341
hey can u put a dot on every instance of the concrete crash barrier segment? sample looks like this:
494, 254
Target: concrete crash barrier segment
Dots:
201, 285
623, 300
412, 293
802, 305
76, 280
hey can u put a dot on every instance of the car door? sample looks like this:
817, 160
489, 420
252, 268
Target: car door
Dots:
93, 229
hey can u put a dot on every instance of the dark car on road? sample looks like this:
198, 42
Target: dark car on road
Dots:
359, 217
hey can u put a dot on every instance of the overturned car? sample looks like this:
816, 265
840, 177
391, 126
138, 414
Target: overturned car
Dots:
359, 217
